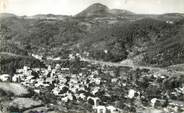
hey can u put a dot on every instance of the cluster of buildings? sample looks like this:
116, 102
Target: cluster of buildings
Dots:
104, 88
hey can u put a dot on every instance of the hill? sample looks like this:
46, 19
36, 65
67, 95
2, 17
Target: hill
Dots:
120, 12
96, 9
6, 15
49, 16
110, 35
100, 10
147, 38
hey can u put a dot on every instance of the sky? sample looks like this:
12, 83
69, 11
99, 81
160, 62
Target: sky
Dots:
72, 7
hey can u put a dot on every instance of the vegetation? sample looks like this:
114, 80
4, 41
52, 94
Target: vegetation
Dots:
56, 53
149, 36
9, 63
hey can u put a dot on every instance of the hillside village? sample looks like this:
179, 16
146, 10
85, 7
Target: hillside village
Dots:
99, 61
93, 88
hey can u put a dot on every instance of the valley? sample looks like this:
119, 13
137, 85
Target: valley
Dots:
100, 60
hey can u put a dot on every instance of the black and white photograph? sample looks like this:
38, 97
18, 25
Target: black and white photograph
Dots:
91, 56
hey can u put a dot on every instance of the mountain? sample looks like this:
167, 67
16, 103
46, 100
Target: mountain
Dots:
94, 10
110, 35
100, 10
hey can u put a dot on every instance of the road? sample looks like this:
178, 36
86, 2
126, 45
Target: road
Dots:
164, 70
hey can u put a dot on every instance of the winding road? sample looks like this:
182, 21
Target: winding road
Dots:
163, 70
158, 69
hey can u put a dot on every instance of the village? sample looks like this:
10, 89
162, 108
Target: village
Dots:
91, 56
93, 88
